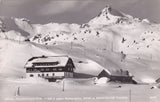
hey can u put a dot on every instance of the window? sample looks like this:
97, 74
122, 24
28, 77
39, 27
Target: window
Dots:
54, 69
47, 69
31, 75
42, 75
31, 69
53, 74
39, 75
46, 74
42, 69
60, 69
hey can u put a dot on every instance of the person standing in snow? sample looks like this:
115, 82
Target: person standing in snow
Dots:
123, 56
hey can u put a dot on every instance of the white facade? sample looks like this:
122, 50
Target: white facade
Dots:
50, 74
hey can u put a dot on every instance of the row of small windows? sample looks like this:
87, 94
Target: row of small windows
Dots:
45, 69
48, 69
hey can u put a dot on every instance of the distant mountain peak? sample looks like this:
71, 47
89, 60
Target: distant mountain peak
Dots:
110, 16
108, 10
105, 11
24, 24
107, 16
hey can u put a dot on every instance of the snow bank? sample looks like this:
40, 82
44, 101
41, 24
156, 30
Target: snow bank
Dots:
89, 67
12, 35
102, 80
30, 80
148, 80
34, 80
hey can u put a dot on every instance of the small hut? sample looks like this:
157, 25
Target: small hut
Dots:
117, 76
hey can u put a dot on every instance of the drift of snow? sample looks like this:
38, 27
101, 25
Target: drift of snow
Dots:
34, 80
12, 35
102, 80
148, 80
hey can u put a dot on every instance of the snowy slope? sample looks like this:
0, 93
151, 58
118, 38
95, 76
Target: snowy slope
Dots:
110, 28
12, 35
112, 40
114, 31
14, 55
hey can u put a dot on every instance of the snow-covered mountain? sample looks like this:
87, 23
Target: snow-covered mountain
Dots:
11, 34
109, 16
25, 25
114, 31
112, 40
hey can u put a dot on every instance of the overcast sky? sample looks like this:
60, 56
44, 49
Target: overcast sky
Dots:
76, 11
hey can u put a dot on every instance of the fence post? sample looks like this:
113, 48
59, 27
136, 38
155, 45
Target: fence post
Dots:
18, 91
63, 86
130, 95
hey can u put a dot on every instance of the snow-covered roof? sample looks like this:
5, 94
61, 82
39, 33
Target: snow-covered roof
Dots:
59, 60
116, 73
120, 73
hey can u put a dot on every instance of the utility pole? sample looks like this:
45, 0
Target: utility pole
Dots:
71, 44
151, 56
112, 46
84, 51
112, 42
63, 85
18, 91
130, 95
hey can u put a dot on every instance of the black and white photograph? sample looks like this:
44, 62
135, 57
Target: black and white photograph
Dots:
79, 50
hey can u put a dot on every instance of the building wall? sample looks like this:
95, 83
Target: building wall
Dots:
50, 74
68, 74
121, 78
